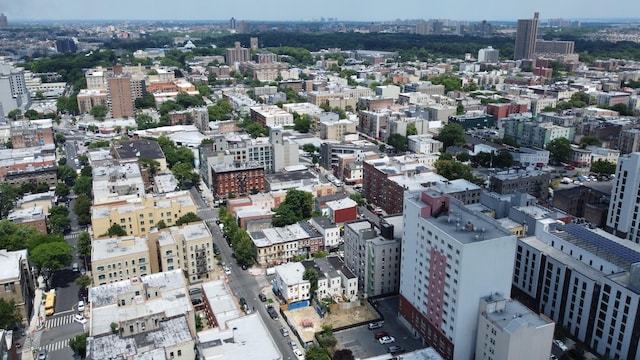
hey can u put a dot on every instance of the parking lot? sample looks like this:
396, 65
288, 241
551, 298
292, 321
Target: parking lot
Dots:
362, 342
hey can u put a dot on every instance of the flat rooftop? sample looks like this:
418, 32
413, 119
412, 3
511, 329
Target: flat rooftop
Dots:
463, 225
515, 315
102, 249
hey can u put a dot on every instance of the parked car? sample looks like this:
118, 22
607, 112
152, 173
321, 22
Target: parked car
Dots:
262, 297
227, 270
381, 334
79, 318
284, 331
394, 349
42, 354
293, 344
386, 340
375, 325
272, 312
75, 267
299, 354
80, 306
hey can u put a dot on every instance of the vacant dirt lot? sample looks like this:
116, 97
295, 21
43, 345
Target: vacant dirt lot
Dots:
307, 321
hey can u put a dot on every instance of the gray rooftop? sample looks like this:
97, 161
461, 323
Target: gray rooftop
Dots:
514, 315
139, 148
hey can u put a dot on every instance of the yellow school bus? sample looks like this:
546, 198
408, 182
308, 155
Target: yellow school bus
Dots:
50, 303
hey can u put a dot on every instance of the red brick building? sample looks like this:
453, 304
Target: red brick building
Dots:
502, 111
342, 210
237, 179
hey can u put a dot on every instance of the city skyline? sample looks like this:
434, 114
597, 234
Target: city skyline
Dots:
288, 10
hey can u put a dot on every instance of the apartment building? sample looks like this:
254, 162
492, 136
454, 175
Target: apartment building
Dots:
237, 54
374, 256
281, 244
88, 98
622, 217
271, 116
330, 153
336, 129
340, 97
17, 282
526, 34
533, 182
445, 271
586, 281
133, 150
120, 96
31, 216
115, 181
188, 247
138, 216
237, 179
29, 134
509, 330
121, 258
153, 318
330, 231
629, 141
13, 90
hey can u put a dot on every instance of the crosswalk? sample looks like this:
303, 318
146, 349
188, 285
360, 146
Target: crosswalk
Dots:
58, 321
58, 345
72, 235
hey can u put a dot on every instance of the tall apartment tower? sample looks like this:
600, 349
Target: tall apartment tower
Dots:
3, 21
489, 55
237, 54
622, 218
120, 96
232, 23
254, 42
526, 38
451, 258
13, 89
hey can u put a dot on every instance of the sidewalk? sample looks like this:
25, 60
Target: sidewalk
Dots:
32, 340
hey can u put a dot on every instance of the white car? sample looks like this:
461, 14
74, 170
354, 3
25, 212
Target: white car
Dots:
386, 340
227, 270
80, 306
299, 354
80, 319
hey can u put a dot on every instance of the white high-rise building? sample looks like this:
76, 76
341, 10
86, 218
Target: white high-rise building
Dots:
13, 89
489, 55
451, 258
622, 218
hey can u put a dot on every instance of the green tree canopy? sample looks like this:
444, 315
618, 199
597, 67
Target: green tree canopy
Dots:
116, 230
62, 190
58, 219
8, 196
297, 205
315, 352
183, 172
309, 148
99, 112
302, 123
452, 134
9, 314
603, 167
84, 244
398, 141
66, 174
589, 140
82, 208
187, 218
559, 149
79, 345
83, 185
312, 275
51, 256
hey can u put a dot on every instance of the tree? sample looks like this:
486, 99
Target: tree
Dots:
601, 167
188, 218
302, 123
86, 171
99, 112
452, 170
161, 225
58, 219
243, 247
297, 205
398, 141
460, 109
62, 190
83, 185
452, 135
343, 354
60, 139
504, 159
151, 165
315, 352
9, 314
79, 345
463, 156
82, 208
411, 129
14, 114
116, 230
84, 244
66, 174
589, 140
50, 257
312, 275
358, 198
185, 175
83, 281
559, 149
8, 197
309, 148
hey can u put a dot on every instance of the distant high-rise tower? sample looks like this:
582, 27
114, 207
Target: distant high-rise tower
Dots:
3, 21
120, 96
526, 38
254, 43
623, 209
232, 23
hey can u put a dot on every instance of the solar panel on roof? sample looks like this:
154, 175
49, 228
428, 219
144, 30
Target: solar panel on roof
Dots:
602, 243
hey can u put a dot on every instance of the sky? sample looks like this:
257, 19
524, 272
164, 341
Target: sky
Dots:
299, 10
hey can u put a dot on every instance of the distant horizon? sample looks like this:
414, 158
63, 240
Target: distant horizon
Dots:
292, 11
226, 21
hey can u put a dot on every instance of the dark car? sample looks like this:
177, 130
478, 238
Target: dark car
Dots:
394, 349
381, 334
262, 297
272, 312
